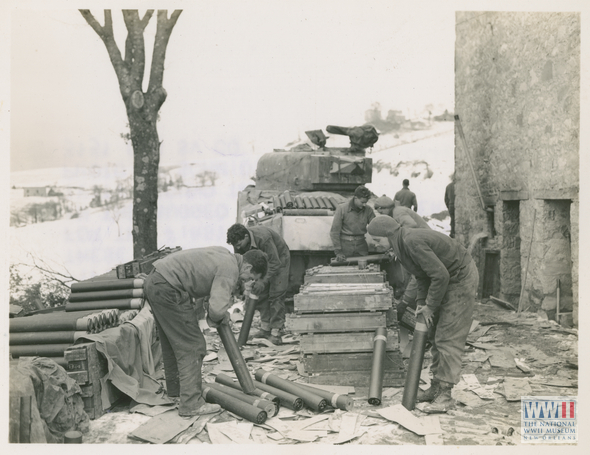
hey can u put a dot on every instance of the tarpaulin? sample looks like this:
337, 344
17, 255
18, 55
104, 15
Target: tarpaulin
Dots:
127, 349
57, 398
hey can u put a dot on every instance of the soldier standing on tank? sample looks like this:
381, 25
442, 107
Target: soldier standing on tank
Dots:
272, 289
349, 225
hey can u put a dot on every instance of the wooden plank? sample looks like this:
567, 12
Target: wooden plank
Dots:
343, 342
162, 428
344, 269
321, 323
75, 353
371, 277
349, 362
357, 378
326, 302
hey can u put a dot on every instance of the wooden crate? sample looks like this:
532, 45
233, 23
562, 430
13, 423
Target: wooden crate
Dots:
370, 277
322, 343
87, 367
324, 363
335, 322
341, 302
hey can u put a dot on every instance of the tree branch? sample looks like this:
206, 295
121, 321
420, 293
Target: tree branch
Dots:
134, 45
163, 31
108, 37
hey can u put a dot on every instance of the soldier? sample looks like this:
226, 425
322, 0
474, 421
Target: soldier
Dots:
406, 197
450, 203
447, 282
175, 279
406, 217
349, 225
270, 290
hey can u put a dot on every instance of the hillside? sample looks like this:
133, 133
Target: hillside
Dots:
195, 217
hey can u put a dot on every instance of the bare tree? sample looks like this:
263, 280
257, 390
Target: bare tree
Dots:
142, 111
114, 206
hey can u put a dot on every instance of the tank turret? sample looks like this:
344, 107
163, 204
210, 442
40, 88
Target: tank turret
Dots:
297, 191
304, 168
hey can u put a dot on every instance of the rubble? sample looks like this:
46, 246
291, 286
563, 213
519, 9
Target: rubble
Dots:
510, 364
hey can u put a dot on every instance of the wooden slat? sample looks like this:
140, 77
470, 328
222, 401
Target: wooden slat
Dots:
344, 322
351, 362
345, 269
357, 378
343, 342
308, 303
371, 277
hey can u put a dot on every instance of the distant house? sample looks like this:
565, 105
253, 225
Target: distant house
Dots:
445, 117
35, 191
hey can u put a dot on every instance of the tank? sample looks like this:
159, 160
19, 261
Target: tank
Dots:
298, 190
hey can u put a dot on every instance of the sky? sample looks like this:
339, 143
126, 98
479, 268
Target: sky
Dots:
240, 76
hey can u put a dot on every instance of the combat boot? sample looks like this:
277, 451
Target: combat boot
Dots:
443, 401
275, 337
261, 333
429, 394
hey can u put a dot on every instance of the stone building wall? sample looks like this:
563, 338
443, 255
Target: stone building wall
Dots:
517, 94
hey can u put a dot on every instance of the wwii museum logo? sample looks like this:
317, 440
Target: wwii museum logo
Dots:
549, 420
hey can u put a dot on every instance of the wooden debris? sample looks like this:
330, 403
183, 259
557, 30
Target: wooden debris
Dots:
405, 418
522, 366
210, 357
502, 358
216, 436
515, 388
349, 429
291, 432
193, 430
237, 432
163, 427
486, 393
151, 411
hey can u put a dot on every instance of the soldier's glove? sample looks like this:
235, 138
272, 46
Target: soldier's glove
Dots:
340, 258
258, 287
214, 324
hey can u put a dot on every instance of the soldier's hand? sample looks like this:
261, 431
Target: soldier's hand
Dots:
391, 255
427, 313
214, 324
258, 287
340, 258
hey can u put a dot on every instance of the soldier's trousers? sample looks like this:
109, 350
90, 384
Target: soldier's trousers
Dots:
183, 343
452, 324
271, 303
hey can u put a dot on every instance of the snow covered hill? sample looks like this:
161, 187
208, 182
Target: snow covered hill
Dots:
195, 217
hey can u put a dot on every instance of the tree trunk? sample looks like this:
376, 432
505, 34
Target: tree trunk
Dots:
146, 161
142, 111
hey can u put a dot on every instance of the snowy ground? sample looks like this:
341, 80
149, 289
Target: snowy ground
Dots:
197, 217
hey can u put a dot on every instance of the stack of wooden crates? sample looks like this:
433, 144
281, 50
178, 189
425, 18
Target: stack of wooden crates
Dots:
337, 312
